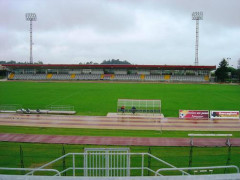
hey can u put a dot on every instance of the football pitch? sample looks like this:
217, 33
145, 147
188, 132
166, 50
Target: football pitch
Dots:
101, 98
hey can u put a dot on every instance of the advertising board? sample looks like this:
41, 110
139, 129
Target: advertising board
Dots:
224, 114
193, 114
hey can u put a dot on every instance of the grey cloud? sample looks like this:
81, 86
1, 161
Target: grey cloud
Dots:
141, 31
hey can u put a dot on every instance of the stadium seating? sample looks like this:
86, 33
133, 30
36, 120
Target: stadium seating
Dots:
11, 76
154, 78
206, 78
117, 77
127, 77
61, 77
88, 77
29, 77
73, 76
107, 77
188, 78
49, 76
167, 77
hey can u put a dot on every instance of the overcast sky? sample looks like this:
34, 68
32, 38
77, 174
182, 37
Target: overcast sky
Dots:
139, 31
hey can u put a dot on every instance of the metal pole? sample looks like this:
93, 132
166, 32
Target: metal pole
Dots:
73, 164
228, 159
190, 157
31, 17
107, 163
31, 58
149, 160
197, 16
197, 40
63, 162
142, 164
21, 158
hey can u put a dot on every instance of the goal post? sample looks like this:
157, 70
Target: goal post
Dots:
140, 105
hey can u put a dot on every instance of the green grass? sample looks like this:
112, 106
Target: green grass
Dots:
35, 155
107, 132
101, 98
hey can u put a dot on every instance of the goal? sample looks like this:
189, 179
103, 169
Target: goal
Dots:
139, 106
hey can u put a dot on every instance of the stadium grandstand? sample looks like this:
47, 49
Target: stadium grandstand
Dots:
159, 73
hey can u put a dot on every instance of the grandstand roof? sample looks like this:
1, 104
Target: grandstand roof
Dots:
121, 66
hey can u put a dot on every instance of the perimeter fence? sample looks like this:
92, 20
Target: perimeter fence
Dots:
33, 155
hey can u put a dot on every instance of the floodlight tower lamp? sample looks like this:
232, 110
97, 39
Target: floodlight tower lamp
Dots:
228, 60
197, 16
31, 17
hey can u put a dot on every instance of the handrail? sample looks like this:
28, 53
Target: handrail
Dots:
167, 163
192, 168
55, 160
31, 169
164, 162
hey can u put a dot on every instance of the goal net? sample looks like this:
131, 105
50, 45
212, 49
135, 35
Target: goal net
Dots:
139, 106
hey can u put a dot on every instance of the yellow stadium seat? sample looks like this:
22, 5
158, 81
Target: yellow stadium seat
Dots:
167, 77
49, 76
11, 76
206, 78
73, 76
142, 76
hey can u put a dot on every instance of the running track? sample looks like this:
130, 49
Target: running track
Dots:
104, 122
125, 141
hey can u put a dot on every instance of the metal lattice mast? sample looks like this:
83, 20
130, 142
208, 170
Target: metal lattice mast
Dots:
31, 17
197, 16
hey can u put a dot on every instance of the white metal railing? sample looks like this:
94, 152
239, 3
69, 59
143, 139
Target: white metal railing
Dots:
31, 169
115, 160
197, 168
73, 168
142, 168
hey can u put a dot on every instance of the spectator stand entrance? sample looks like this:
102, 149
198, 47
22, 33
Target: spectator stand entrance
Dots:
139, 107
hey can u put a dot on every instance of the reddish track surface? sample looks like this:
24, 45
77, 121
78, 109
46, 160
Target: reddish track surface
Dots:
103, 122
126, 141
133, 122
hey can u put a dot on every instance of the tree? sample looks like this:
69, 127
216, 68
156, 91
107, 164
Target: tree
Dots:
238, 74
222, 71
39, 62
115, 61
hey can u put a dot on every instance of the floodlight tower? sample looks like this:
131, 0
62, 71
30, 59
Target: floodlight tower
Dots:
197, 16
31, 17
